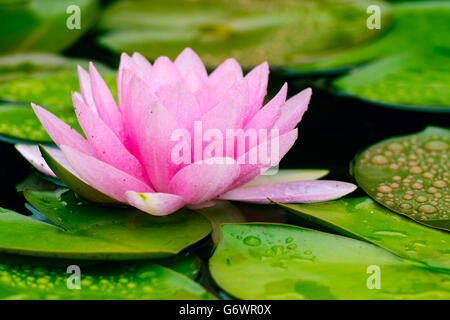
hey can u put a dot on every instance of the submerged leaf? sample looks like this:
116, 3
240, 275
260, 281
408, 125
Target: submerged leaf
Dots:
362, 218
92, 232
267, 261
409, 175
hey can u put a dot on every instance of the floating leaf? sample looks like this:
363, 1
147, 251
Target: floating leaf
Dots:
245, 30
409, 175
43, 25
94, 232
118, 281
411, 82
362, 218
268, 261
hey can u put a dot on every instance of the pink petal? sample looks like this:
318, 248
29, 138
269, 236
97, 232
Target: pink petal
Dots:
138, 65
106, 144
181, 103
85, 87
204, 180
229, 69
193, 81
143, 66
154, 140
164, 72
32, 154
257, 80
249, 171
292, 111
158, 204
136, 99
102, 176
188, 61
266, 117
292, 192
60, 132
105, 103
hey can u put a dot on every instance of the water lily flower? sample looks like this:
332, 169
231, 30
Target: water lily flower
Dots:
127, 154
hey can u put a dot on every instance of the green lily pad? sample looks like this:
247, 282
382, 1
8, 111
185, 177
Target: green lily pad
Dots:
245, 30
410, 175
411, 82
119, 281
364, 219
268, 261
417, 27
93, 232
41, 25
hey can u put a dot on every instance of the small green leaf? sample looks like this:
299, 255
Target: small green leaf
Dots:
145, 280
93, 232
409, 175
364, 219
268, 261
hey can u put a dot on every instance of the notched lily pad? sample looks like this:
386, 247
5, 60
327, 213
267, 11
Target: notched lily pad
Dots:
92, 232
118, 281
362, 218
268, 261
410, 175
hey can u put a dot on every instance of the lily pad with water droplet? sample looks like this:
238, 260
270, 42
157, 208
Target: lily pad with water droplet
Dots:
268, 261
410, 175
93, 232
245, 30
29, 280
364, 219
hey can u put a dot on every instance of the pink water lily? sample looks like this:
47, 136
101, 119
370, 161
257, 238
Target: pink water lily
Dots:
127, 154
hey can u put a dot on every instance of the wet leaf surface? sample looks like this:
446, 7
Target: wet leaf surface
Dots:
364, 219
267, 261
29, 279
410, 175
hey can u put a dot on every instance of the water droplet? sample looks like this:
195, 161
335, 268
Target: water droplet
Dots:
427, 208
252, 241
436, 145
379, 160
